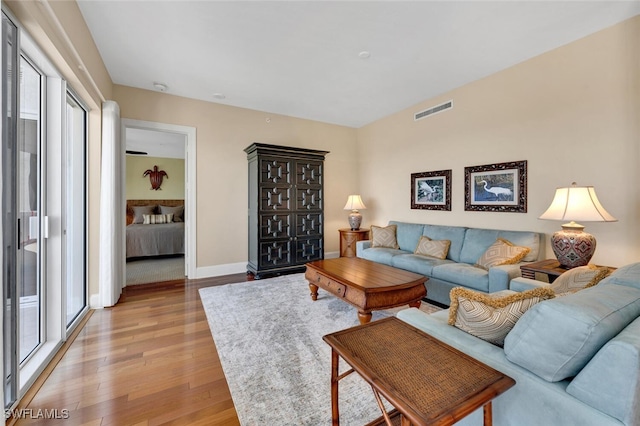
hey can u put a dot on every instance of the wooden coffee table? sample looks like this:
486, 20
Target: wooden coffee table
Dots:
369, 286
427, 381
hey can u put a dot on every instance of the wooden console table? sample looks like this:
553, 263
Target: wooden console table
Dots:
426, 380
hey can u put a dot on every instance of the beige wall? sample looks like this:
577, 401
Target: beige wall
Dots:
572, 113
138, 187
223, 133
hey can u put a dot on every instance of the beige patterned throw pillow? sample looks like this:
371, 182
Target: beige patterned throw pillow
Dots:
502, 252
578, 278
154, 219
432, 248
384, 236
491, 317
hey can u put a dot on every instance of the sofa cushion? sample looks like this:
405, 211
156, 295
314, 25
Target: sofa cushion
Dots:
381, 254
432, 248
502, 252
455, 234
416, 263
579, 278
490, 317
557, 338
476, 242
407, 234
463, 274
628, 275
384, 236
610, 382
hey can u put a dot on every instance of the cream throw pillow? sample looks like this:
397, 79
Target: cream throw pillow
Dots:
491, 317
432, 248
154, 219
502, 252
384, 236
578, 278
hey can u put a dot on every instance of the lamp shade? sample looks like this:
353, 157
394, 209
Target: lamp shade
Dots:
577, 203
572, 246
354, 202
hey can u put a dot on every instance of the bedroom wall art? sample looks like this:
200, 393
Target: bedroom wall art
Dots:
155, 176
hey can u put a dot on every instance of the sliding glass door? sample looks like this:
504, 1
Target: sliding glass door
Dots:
44, 204
30, 185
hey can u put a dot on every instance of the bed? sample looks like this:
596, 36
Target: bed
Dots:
157, 239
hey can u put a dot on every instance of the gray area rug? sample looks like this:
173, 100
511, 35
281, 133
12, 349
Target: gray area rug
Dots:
154, 270
269, 337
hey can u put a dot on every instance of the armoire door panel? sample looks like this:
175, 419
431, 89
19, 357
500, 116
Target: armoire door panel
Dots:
275, 226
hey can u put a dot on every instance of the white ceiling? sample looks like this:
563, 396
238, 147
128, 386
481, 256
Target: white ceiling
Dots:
155, 143
301, 58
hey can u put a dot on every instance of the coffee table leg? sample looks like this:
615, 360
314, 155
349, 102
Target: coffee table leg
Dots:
335, 413
364, 317
314, 291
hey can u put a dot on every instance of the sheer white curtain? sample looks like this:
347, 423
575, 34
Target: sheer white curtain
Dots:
112, 214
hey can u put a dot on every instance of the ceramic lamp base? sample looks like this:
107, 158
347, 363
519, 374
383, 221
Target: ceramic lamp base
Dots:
573, 248
355, 219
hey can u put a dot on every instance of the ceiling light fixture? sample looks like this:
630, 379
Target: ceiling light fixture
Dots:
219, 96
364, 54
160, 86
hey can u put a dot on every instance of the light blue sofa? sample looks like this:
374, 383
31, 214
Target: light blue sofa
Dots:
575, 359
467, 245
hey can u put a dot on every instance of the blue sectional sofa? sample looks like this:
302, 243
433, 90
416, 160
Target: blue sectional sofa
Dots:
467, 245
575, 359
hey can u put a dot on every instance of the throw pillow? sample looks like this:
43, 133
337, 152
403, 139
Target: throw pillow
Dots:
578, 278
502, 252
177, 212
139, 211
154, 219
384, 236
432, 248
491, 317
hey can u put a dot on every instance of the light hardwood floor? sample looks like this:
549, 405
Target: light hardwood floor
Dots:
150, 360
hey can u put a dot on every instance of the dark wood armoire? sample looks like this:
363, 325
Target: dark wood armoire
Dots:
286, 208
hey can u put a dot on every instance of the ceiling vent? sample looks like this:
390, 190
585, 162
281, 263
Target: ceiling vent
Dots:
436, 109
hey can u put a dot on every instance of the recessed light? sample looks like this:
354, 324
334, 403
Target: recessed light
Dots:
364, 54
160, 86
219, 96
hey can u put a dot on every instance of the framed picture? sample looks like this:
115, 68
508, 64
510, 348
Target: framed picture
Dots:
431, 190
498, 187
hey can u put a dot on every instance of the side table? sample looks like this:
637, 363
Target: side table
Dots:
348, 240
550, 267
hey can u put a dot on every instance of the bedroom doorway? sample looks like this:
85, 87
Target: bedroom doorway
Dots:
159, 182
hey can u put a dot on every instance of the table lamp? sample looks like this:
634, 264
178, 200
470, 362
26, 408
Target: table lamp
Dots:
572, 246
354, 203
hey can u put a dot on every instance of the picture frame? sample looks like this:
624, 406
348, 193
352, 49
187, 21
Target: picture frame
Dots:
500, 187
431, 190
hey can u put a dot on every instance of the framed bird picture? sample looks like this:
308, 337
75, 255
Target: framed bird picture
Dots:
500, 187
431, 190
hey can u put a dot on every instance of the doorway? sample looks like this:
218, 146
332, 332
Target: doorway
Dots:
163, 144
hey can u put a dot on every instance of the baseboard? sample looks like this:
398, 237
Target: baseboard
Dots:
237, 268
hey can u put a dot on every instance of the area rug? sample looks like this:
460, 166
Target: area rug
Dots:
154, 270
269, 338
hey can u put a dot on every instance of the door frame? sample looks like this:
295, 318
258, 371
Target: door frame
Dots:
190, 185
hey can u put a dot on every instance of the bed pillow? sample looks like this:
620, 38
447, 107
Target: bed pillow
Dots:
154, 219
139, 211
502, 252
177, 212
384, 237
432, 248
